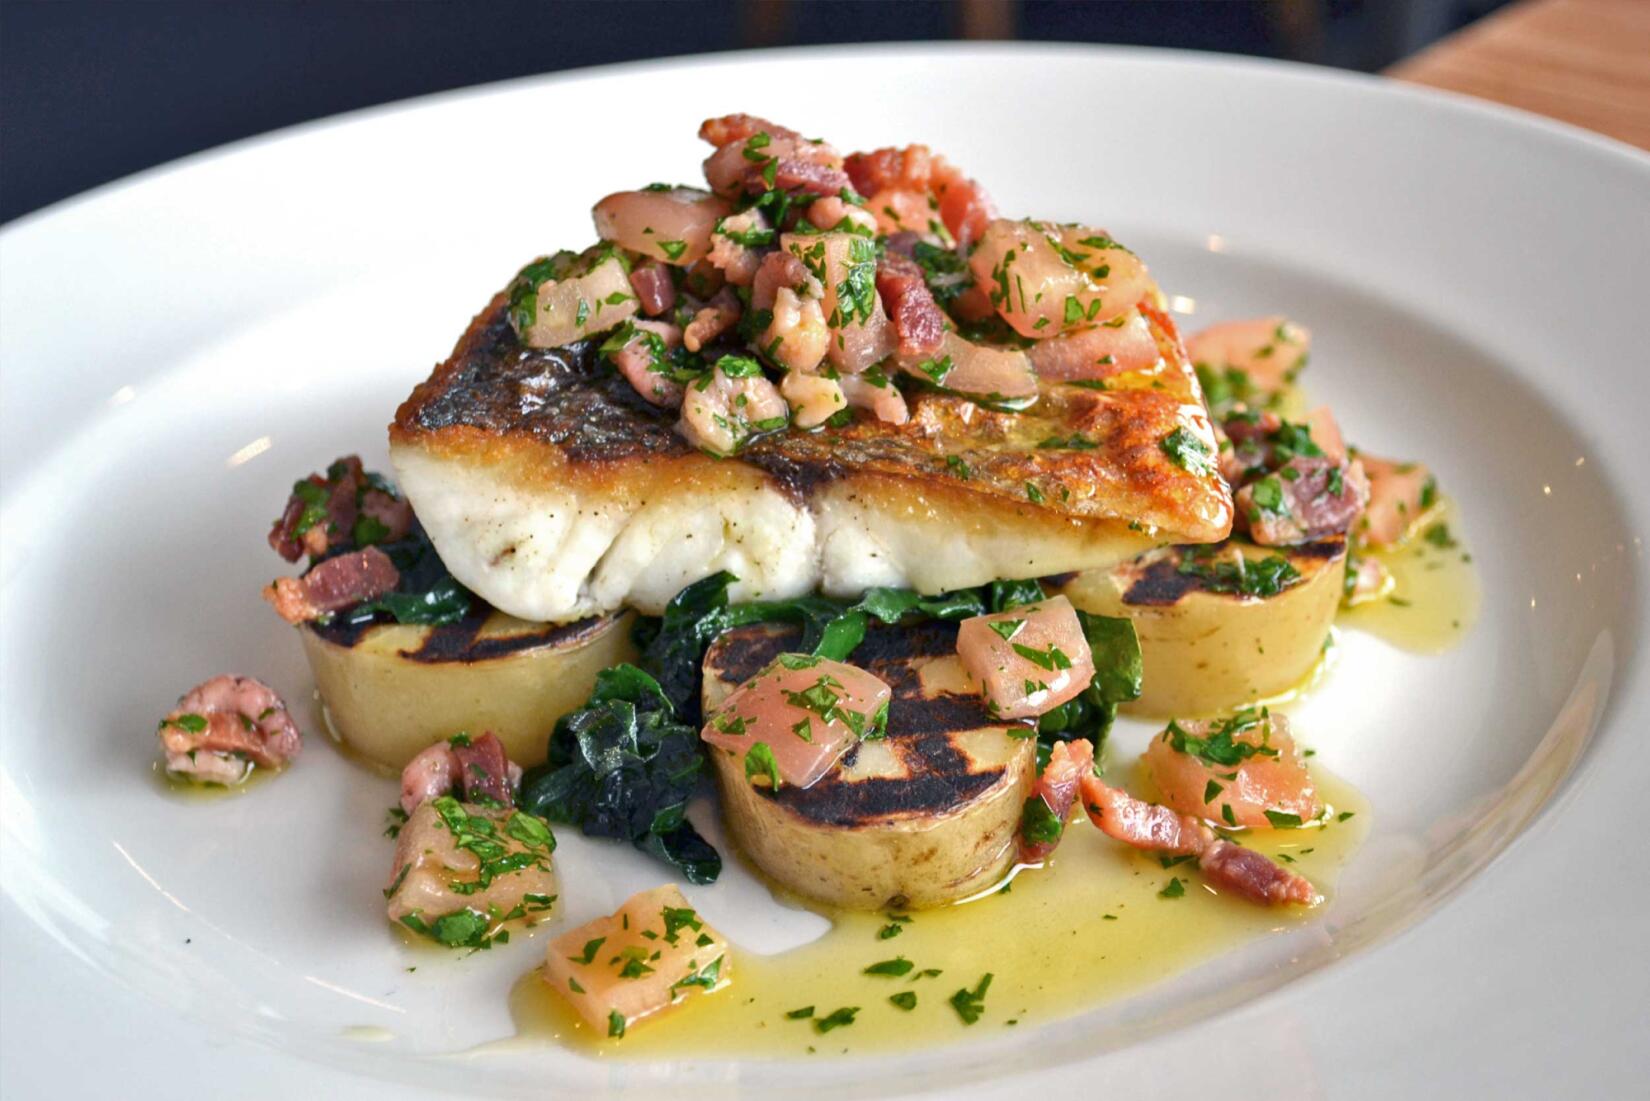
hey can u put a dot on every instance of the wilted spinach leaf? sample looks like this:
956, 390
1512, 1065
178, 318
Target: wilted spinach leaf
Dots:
623, 766
1117, 673
673, 647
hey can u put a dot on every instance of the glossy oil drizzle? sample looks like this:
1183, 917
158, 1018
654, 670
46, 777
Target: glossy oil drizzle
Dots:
1435, 593
1091, 926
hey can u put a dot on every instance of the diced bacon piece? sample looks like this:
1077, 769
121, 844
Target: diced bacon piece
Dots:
965, 208
1305, 499
334, 585
222, 727
644, 361
1398, 495
813, 399
655, 289
1254, 876
430, 774
393, 513
1269, 350
437, 872
1045, 279
919, 324
1153, 828
1233, 771
911, 189
753, 155
321, 512
580, 306
672, 226
1139, 824
646, 957
484, 770
1028, 660
1097, 352
720, 413
874, 391
736, 246
476, 770
716, 317
969, 368
806, 710
1056, 789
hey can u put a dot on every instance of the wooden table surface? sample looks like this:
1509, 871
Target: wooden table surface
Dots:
1585, 62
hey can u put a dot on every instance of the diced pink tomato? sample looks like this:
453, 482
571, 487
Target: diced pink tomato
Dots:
970, 368
672, 226
1028, 660
1326, 433
1233, 771
1098, 352
1270, 350
644, 958
1396, 495
1045, 279
807, 711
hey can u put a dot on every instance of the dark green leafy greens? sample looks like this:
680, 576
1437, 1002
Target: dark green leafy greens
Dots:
624, 766
673, 646
1117, 676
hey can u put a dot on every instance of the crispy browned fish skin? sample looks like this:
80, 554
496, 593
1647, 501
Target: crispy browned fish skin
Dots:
548, 415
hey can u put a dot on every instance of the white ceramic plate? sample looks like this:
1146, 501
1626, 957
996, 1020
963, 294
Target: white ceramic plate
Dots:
176, 348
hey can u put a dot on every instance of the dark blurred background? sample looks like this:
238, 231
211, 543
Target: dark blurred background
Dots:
90, 92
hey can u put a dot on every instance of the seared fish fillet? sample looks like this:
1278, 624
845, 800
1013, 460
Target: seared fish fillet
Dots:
555, 492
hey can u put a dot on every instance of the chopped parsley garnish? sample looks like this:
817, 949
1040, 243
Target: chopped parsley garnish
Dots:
1439, 536
801, 1014
591, 947
893, 968
1033, 494
707, 977
970, 1004
905, 999
958, 467
673, 249
615, 1025
838, 1018
1239, 576
1344, 815
1051, 658
1187, 451
1006, 628
759, 761
1175, 889
1038, 822
1220, 747
1282, 820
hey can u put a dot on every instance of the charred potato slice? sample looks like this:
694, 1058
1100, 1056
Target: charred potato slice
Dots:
1206, 646
392, 689
925, 816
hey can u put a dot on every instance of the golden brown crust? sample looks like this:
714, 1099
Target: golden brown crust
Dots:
555, 415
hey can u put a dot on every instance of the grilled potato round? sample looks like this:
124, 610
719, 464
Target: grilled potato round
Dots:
391, 690
925, 816
1205, 649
